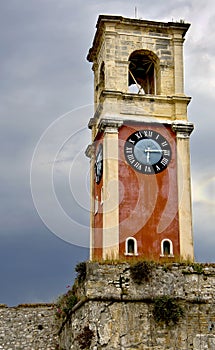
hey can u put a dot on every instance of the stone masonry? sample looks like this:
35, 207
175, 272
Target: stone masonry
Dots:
118, 311
115, 312
27, 327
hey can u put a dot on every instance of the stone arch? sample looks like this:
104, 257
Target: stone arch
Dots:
144, 72
100, 80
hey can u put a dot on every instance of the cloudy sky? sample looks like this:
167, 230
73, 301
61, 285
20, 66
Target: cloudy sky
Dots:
46, 94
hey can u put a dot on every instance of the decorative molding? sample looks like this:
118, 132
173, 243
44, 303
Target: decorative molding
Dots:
182, 130
178, 41
90, 151
92, 122
110, 125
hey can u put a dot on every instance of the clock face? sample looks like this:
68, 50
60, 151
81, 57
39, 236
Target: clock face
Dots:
98, 166
147, 151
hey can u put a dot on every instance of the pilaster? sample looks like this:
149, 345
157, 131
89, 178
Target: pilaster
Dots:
178, 65
110, 188
183, 131
90, 153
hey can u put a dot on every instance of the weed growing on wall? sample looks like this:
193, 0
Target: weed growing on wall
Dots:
81, 269
141, 271
85, 338
198, 268
167, 310
65, 303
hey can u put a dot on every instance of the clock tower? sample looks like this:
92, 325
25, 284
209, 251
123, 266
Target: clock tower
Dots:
140, 157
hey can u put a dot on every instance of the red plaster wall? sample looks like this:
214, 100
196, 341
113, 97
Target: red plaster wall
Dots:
98, 217
148, 203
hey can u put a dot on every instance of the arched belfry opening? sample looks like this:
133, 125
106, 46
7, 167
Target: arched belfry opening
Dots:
102, 77
143, 72
100, 81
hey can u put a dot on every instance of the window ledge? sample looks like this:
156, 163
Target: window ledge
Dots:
167, 256
131, 254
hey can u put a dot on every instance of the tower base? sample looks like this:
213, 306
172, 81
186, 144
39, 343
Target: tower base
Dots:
169, 307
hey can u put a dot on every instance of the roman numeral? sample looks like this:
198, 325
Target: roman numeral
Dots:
148, 133
139, 135
138, 166
164, 161
148, 169
129, 150
131, 141
166, 152
131, 158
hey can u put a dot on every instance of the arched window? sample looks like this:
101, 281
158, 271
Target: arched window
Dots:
166, 247
131, 246
142, 76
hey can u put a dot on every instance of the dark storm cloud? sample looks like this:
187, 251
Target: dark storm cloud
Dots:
38, 266
43, 55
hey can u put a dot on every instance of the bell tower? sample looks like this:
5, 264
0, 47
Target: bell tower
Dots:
140, 157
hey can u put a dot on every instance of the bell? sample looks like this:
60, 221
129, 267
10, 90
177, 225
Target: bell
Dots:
140, 70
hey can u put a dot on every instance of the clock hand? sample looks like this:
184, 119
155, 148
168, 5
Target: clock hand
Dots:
147, 154
155, 150
147, 157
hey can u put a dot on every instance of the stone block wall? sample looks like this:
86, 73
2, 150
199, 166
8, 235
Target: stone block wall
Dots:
117, 38
115, 312
28, 327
